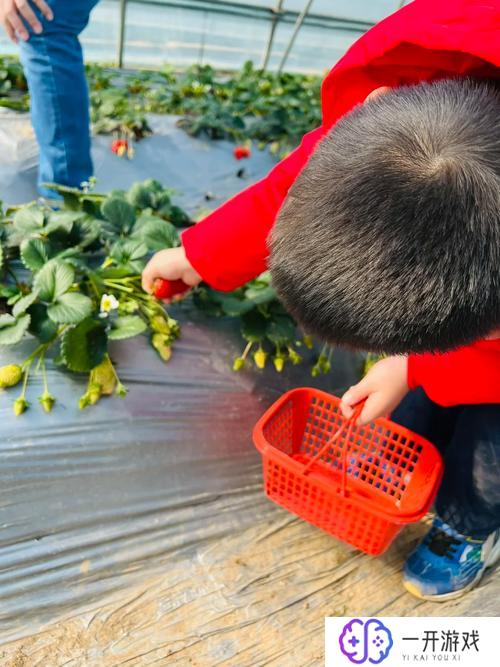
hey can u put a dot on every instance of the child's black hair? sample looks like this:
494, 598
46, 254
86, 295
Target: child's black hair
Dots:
389, 239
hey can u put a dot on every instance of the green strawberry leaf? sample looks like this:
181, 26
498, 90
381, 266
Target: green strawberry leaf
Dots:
281, 330
127, 326
71, 196
177, 216
6, 291
157, 234
35, 253
254, 326
24, 303
119, 213
41, 325
260, 295
141, 196
124, 252
231, 305
14, 298
83, 347
28, 219
12, 334
6, 320
86, 231
70, 308
27, 222
163, 204
114, 272
53, 280
61, 221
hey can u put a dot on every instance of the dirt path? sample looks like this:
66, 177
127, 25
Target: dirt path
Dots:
258, 598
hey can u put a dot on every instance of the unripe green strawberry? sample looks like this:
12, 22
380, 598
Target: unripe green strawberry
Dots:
10, 375
325, 365
47, 401
121, 390
260, 357
308, 341
295, 358
322, 366
20, 406
238, 364
161, 344
174, 328
94, 392
160, 324
104, 376
279, 363
83, 402
128, 307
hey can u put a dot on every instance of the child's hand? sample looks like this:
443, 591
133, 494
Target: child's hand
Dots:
169, 264
383, 387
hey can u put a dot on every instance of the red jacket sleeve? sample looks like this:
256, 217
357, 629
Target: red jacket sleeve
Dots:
228, 248
468, 375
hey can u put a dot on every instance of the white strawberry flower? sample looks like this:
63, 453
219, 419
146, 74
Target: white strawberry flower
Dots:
108, 303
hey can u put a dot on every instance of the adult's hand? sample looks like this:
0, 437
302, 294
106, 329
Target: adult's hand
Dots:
15, 15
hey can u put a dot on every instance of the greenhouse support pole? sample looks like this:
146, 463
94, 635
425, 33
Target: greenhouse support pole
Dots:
298, 25
274, 24
121, 36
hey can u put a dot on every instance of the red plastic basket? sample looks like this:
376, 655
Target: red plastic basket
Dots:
361, 484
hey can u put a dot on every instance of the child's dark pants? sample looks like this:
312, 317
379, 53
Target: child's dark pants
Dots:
468, 436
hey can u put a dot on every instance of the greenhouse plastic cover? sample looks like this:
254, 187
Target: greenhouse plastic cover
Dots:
92, 502
182, 32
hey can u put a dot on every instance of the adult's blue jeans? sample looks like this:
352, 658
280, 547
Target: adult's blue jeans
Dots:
468, 436
53, 64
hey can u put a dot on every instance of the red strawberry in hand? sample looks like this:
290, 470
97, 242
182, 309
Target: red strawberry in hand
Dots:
241, 152
166, 289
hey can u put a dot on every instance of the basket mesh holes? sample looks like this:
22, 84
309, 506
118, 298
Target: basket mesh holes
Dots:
279, 430
377, 458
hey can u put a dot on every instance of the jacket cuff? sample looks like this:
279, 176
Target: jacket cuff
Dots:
412, 371
193, 247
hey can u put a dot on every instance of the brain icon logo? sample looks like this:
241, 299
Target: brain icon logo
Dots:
368, 641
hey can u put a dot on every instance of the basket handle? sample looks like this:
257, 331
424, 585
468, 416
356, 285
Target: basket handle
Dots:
347, 426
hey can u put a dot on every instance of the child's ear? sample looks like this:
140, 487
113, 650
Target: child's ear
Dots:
494, 334
377, 92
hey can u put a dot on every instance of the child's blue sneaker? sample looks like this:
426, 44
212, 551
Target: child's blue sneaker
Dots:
446, 565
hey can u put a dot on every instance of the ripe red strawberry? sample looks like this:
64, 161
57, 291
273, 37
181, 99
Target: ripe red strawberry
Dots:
119, 146
166, 289
241, 152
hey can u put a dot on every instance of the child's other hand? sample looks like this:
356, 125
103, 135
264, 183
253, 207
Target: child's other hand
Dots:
169, 264
383, 387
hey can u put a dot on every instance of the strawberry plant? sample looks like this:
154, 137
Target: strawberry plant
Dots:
274, 110
71, 282
269, 332
13, 85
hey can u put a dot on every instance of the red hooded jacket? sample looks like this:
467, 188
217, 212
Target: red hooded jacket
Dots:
425, 40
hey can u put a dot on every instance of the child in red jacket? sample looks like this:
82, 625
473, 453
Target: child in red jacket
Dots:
389, 240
